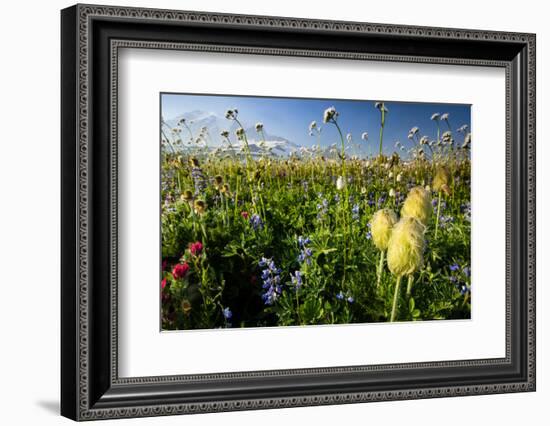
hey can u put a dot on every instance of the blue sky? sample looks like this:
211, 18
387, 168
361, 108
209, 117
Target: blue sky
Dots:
290, 117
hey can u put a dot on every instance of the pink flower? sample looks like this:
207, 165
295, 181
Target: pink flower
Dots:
195, 248
244, 215
180, 270
163, 283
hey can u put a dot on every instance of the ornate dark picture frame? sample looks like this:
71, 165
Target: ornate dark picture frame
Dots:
90, 385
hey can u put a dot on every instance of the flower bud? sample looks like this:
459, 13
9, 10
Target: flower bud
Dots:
340, 183
187, 195
199, 206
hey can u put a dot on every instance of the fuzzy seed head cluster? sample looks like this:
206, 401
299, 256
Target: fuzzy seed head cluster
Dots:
406, 247
239, 133
330, 114
441, 179
231, 114
382, 223
418, 205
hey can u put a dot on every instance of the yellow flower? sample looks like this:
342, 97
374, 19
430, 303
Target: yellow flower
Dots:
418, 205
381, 227
406, 247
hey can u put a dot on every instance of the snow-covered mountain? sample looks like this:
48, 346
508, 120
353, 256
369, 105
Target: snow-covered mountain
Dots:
197, 120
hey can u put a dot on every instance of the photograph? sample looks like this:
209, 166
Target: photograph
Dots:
293, 212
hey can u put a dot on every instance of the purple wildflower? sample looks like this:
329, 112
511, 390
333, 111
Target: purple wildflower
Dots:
296, 280
271, 281
256, 222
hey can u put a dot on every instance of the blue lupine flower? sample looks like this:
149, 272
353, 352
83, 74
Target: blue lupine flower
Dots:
227, 314
296, 280
199, 181
454, 267
340, 296
256, 222
467, 211
303, 241
322, 209
355, 212
466, 270
336, 198
368, 235
445, 220
271, 281
265, 274
351, 299
305, 256
370, 200
263, 262
463, 289
305, 252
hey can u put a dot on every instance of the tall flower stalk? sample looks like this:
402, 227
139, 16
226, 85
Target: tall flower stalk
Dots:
440, 184
330, 116
183, 122
436, 117
383, 112
231, 114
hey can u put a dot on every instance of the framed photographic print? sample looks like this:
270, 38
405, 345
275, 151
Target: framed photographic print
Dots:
263, 212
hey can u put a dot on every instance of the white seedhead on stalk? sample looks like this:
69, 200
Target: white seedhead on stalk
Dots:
231, 114
330, 114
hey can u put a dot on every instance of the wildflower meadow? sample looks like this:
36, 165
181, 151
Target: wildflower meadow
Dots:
347, 226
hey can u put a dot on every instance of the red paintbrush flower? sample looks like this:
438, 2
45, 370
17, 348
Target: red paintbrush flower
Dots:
180, 270
196, 248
